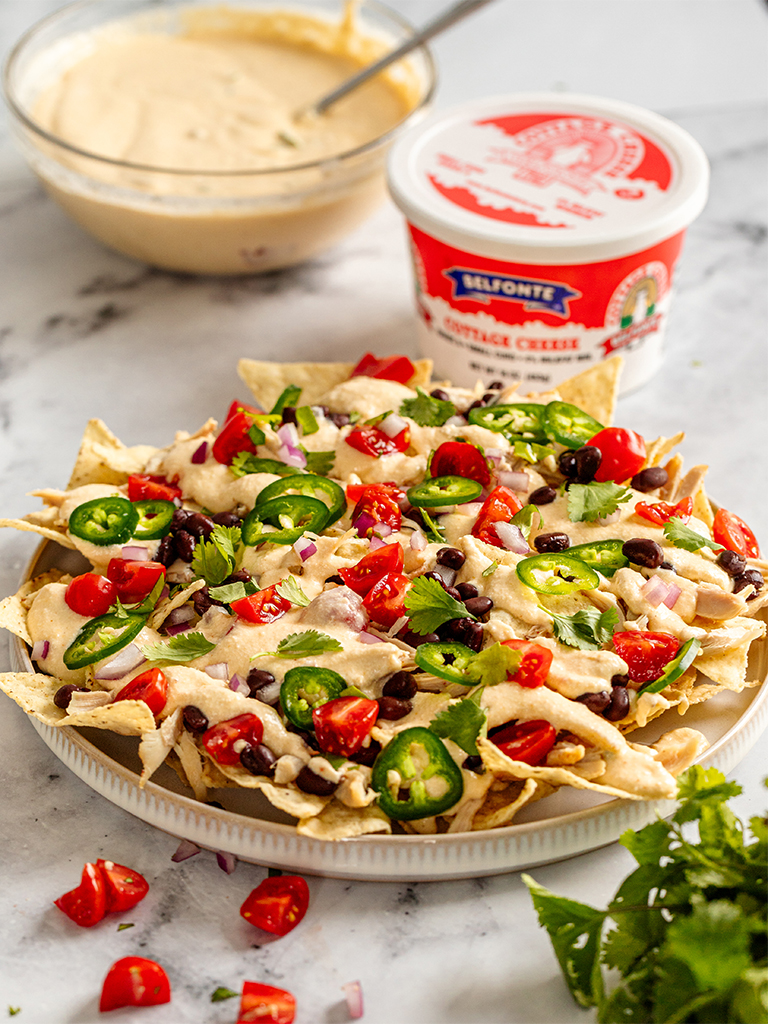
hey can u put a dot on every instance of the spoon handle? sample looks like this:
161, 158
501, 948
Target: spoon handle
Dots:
448, 17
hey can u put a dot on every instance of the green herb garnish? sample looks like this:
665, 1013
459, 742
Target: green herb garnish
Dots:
426, 410
304, 645
319, 463
493, 665
428, 606
184, 647
290, 589
684, 537
223, 993
216, 557
587, 502
462, 722
588, 628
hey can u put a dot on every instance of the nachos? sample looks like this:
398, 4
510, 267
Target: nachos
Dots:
387, 602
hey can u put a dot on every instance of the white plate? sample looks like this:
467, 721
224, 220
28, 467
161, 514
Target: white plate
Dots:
563, 825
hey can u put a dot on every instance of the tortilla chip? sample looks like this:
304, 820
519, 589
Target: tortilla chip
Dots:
286, 798
13, 609
164, 608
42, 531
103, 459
125, 717
190, 766
267, 381
501, 805
596, 390
728, 668
674, 468
661, 447
337, 821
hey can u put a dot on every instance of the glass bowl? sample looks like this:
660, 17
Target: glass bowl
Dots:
202, 221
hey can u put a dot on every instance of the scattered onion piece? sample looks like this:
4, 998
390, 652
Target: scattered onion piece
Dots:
134, 553
219, 670
185, 850
123, 662
179, 615
515, 480
173, 629
512, 538
376, 542
40, 650
418, 541
239, 685
655, 591
382, 529
364, 523
305, 548
291, 456
395, 628
354, 993
226, 861
393, 425
674, 592
200, 454
369, 638
288, 434
470, 508
607, 520
455, 421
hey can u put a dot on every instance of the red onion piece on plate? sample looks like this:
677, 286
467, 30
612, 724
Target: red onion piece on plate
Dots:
418, 541
393, 425
239, 685
354, 993
516, 481
40, 650
200, 454
184, 851
369, 638
674, 592
364, 523
305, 548
226, 861
291, 456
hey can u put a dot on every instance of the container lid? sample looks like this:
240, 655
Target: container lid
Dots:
549, 178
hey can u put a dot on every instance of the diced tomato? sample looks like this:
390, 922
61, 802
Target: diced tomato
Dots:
355, 492
660, 512
277, 904
125, 887
87, 904
734, 534
134, 981
151, 488
90, 594
263, 606
529, 742
249, 410
398, 368
499, 507
371, 567
220, 739
534, 665
265, 1004
384, 601
460, 458
233, 438
342, 724
369, 440
623, 453
378, 502
151, 687
134, 580
645, 653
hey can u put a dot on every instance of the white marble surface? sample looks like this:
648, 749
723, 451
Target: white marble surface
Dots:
84, 332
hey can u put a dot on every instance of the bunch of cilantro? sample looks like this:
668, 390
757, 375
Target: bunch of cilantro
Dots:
688, 928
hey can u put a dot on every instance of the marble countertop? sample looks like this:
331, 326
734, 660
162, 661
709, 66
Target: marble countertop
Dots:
85, 332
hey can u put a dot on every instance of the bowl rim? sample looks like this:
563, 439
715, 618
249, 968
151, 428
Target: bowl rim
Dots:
17, 109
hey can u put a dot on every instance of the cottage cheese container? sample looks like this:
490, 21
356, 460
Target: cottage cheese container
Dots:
545, 230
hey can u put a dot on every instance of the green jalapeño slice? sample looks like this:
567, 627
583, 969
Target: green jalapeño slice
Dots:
154, 518
604, 555
446, 660
305, 688
415, 776
104, 521
444, 490
556, 574
312, 486
521, 420
292, 514
569, 425
101, 637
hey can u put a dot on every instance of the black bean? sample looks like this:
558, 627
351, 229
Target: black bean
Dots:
643, 551
478, 606
258, 760
441, 395
289, 414
166, 551
619, 706
596, 702
199, 525
587, 459
552, 542
452, 592
479, 403
257, 679
194, 720
339, 419
185, 545
495, 385
392, 708
226, 519
63, 695
336, 579
750, 577
324, 410
467, 632
180, 516
203, 601
414, 514
489, 397
567, 464
732, 562
542, 495
650, 479
416, 639
401, 684
466, 590
367, 755
309, 782
473, 763
451, 558
620, 680
239, 576
668, 566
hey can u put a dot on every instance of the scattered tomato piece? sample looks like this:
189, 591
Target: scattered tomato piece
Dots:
265, 1004
499, 507
134, 580
151, 687
734, 534
397, 368
460, 458
262, 607
535, 664
125, 887
221, 738
660, 512
343, 724
645, 653
277, 904
87, 904
378, 501
369, 440
90, 594
151, 488
233, 438
623, 453
384, 602
135, 981
372, 567
529, 742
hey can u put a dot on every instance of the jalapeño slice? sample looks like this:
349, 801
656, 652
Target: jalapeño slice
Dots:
101, 637
675, 668
305, 688
444, 490
445, 660
318, 487
155, 517
415, 776
556, 574
289, 396
521, 420
104, 521
604, 555
569, 425
292, 514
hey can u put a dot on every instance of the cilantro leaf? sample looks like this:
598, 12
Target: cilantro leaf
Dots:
588, 628
304, 645
124, 925
462, 722
683, 536
244, 464
426, 410
230, 592
184, 647
524, 519
256, 434
307, 420
713, 941
222, 993
319, 463
490, 569
587, 502
216, 557
428, 606
290, 589
493, 665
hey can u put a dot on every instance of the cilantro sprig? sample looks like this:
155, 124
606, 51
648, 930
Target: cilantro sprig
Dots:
290, 589
683, 536
428, 606
587, 502
426, 410
462, 722
184, 647
216, 557
304, 645
587, 629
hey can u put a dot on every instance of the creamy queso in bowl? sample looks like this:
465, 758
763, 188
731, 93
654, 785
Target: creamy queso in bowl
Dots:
177, 134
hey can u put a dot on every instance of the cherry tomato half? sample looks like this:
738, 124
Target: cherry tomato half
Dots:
87, 904
220, 739
623, 453
499, 507
384, 601
151, 687
369, 440
277, 904
265, 1004
90, 594
233, 438
134, 580
529, 742
342, 724
151, 488
534, 665
398, 368
249, 410
355, 492
660, 512
371, 567
378, 502
645, 653
263, 606
124, 886
734, 534
460, 458
134, 981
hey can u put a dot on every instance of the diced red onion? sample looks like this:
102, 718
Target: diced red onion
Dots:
123, 662
40, 650
133, 553
495, 454
376, 542
607, 520
516, 480
239, 685
180, 627
393, 425
471, 508
382, 529
447, 575
674, 592
511, 537
364, 523
655, 591
369, 638
226, 861
455, 421
305, 548
200, 454
219, 670
354, 993
179, 615
418, 541
269, 694
185, 851
291, 456
164, 593
288, 434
